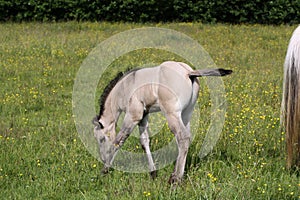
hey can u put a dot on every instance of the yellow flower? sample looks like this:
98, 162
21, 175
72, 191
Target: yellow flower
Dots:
147, 194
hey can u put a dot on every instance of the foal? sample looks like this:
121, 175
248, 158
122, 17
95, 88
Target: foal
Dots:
171, 88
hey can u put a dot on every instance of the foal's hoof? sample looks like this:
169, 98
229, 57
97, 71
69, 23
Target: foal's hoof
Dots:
104, 170
153, 174
174, 180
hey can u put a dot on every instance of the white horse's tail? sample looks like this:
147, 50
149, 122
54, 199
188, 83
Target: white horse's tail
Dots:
290, 107
210, 72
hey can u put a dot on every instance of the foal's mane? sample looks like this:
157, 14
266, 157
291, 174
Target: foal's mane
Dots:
108, 88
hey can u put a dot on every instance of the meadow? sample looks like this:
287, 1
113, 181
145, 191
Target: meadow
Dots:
42, 156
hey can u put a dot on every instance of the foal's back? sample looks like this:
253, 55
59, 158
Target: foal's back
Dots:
164, 87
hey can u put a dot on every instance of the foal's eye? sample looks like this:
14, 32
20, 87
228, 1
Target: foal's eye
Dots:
101, 126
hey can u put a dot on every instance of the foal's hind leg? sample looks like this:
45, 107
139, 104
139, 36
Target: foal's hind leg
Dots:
144, 139
183, 139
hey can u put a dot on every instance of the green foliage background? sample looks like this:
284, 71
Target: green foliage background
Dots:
210, 11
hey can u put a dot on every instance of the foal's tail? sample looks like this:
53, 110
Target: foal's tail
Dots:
209, 72
290, 106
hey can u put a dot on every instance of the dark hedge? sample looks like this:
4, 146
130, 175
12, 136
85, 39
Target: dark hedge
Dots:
228, 11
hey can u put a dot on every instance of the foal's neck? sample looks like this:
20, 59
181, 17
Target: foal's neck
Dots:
110, 117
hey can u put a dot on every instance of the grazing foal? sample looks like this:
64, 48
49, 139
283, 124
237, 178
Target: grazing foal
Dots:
171, 88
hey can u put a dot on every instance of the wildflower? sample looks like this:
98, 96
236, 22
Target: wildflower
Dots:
212, 178
38, 164
147, 194
263, 117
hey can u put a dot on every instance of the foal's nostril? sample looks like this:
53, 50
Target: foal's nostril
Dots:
102, 140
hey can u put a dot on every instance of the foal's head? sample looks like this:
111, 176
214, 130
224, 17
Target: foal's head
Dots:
105, 143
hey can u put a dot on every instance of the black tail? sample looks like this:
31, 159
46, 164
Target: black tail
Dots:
210, 72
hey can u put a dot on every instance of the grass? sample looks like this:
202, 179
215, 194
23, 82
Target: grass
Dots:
42, 156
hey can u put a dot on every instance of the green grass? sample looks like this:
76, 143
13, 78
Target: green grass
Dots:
42, 156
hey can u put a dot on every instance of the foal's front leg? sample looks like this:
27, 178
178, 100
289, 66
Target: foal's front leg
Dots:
132, 117
144, 139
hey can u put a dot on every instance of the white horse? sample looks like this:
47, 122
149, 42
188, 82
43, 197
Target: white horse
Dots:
290, 107
171, 88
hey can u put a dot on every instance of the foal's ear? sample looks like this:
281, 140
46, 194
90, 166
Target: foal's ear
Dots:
97, 123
